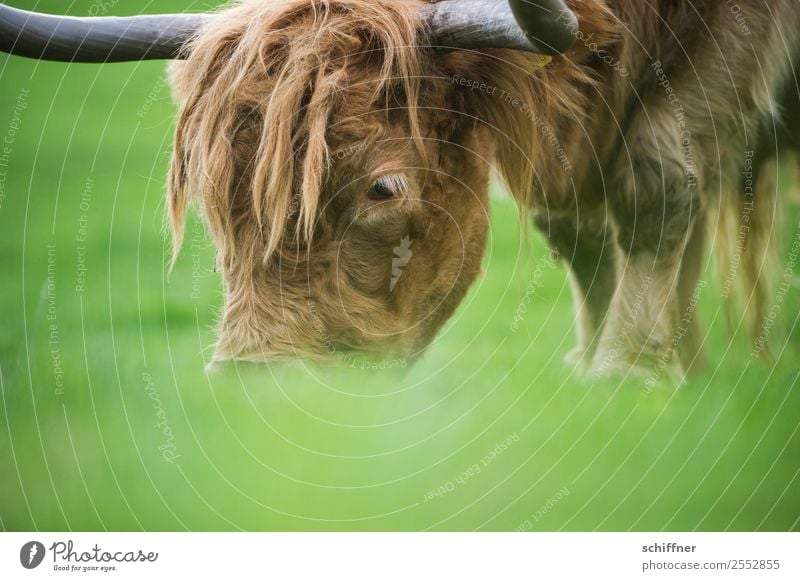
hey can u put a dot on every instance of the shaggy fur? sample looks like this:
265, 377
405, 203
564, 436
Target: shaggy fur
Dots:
294, 112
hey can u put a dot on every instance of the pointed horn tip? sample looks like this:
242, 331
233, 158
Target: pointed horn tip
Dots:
549, 25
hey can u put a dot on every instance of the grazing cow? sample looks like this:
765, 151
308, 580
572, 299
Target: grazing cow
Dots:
340, 152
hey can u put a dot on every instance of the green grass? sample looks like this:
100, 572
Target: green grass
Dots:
297, 447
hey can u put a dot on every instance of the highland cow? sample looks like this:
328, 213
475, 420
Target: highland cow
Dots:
340, 152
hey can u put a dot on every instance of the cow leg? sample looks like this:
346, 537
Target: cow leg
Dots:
587, 249
690, 289
653, 210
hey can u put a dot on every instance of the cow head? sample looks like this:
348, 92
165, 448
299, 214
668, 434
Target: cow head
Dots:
340, 161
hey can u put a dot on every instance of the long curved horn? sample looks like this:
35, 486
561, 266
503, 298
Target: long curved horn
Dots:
541, 26
96, 40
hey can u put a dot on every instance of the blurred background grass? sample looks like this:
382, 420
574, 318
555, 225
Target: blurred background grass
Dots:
109, 421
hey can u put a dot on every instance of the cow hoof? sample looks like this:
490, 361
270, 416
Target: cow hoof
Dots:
649, 371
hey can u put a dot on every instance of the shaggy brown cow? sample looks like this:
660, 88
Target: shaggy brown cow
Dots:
342, 166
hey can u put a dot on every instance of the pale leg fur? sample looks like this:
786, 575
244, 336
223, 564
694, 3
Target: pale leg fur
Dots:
586, 247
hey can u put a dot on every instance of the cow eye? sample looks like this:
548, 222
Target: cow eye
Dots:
388, 187
380, 191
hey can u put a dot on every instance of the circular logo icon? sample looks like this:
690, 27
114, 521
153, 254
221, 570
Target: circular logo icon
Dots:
31, 554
